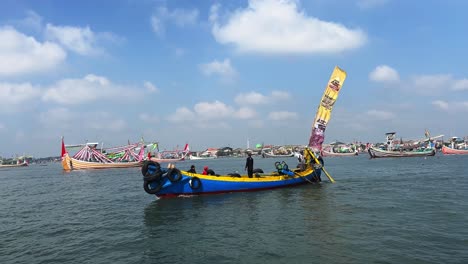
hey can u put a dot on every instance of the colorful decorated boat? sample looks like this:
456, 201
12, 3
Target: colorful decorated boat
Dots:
171, 156
172, 182
89, 157
391, 152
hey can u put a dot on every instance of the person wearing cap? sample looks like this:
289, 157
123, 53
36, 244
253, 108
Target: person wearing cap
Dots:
249, 163
205, 170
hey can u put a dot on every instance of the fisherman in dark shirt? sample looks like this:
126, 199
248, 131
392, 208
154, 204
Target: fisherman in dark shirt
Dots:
192, 169
249, 163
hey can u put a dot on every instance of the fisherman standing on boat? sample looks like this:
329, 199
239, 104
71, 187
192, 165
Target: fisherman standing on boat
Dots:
249, 163
192, 169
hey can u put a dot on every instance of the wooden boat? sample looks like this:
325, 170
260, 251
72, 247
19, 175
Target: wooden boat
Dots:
330, 153
458, 147
269, 155
22, 164
98, 160
391, 152
191, 157
451, 151
380, 153
172, 182
171, 156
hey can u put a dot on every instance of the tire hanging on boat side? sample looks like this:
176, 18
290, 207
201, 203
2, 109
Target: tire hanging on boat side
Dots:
174, 175
195, 183
146, 187
151, 169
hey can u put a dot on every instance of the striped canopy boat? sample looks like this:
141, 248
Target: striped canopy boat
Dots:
90, 158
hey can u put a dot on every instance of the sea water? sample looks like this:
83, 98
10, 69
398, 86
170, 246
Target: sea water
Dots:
406, 210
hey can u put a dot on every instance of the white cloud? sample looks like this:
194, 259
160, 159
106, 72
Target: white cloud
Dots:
77, 39
32, 20
280, 95
254, 98
182, 114
282, 115
460, 85
367, 4
441, 104
14, 96
380, 115
215, 110
384, 73
179, 17
210, 111
245, 113
150, 87
86, 90
222, 68
55, 116
21, 54
279, 27
430, 85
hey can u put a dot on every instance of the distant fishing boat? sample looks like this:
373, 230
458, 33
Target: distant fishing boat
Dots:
18, 164
191, 157
171, 156
391, 152
343, 150
172, 182
91, 158
330, 153
456, 149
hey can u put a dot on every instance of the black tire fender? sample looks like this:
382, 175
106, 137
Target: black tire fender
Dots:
174, 175
151, 168
146, 187
195, 183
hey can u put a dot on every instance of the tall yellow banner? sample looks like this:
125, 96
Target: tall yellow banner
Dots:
324, 110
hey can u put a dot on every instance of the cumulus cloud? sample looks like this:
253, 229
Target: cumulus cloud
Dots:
86, 90
32, 21
282, 115
150, 87
441, 104
215, 110
245, 113
221, 68
211, 111
384, 73
255, 98
21, 54
280, 27
182, 114
430, 85
460, 85
13, 96
380, 115
179, 17
77, 39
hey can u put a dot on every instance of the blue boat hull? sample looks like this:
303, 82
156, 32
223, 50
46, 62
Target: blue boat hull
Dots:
197, 184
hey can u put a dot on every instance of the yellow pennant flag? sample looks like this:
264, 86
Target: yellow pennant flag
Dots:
324, 110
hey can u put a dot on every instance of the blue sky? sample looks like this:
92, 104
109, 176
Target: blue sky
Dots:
217, 73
